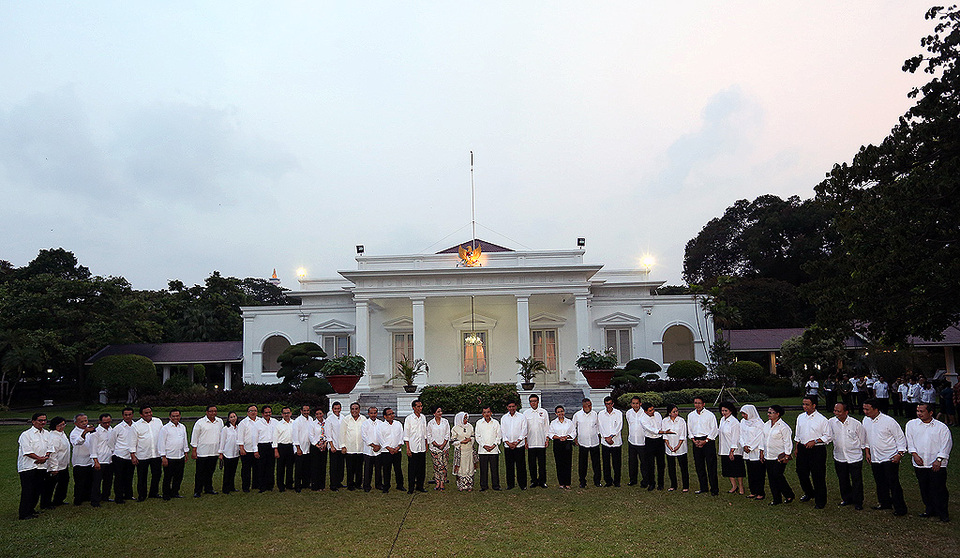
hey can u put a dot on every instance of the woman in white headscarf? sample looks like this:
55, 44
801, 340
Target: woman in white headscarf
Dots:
465, 458
751, 432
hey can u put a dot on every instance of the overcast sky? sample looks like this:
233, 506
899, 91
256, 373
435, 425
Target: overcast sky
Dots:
165, 140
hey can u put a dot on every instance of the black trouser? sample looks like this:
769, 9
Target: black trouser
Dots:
634, 462
756, 476
249, 472
285, 467
563, 456
812, 464
354, 463
230, 474
154, 466
83, 484
705, 462
267, 463
369, 467
831, 397
672, 461
106, 481
655, 451
537, 458
318, 469
489, 466
594, 455
850, 481
889, 491
303, 463
933, 491
612, 458
55, 488
31, 485
779, 488
416, 470
516, 464
390, 461
122, 479
172, 478
203, 477
884, 404
337, 463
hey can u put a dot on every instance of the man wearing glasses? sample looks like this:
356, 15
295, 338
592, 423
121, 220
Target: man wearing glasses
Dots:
33, 453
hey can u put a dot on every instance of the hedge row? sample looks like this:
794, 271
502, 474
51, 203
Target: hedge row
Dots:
685, 396
236, 399
469, 397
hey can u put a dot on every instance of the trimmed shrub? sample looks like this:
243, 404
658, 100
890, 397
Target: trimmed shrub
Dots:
121, 373
469, 397
237, 400
178, 383
645, 397
643, 366
746, 371
686, 369
316, 386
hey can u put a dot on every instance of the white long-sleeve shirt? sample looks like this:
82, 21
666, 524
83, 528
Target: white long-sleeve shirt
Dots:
588, 428
228, 442
930, 440
438, 433
370, 435
205, 437
59, 446
538, 422
777, 439
565, 428
148, 434
81, 448
487, 434
513, 428
610, 424
101, 445
333, 429
123, 440
849, 438
267, 431
351, 436
301, 433
652, 425
248, 433
751, 436
391, 434
679, 428
635, 427
317, 436
415, 432
884, 438
811, 427
702, 424
33, 440
283, 433
729, 436
172, 441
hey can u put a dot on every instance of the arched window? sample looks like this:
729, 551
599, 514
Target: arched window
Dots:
272, 347
677, 344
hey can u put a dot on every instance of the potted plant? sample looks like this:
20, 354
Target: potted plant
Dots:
407, 371
597, 367
344, 372
529, 367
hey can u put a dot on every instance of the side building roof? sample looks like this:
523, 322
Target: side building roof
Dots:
177, 353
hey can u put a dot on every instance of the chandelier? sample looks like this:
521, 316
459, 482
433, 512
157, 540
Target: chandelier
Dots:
473, 338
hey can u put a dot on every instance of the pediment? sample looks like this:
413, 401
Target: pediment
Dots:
334, 326
403, 323
546, 319
618, 319
479, 321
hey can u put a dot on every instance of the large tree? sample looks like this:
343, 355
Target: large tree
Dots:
897, 272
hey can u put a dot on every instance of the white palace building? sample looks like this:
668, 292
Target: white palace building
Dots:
471, 315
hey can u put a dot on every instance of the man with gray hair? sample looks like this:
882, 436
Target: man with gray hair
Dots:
81, 460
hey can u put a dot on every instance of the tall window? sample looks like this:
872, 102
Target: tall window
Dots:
677, 344
544, 347
474, 354
619, 341
272, 348
402, 347
336, 345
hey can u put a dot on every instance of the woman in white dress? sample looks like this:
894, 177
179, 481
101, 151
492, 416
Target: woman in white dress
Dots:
562, 432
731, 453
676, 447
776, 447
229, 453
58, 466
465, 458
751, 435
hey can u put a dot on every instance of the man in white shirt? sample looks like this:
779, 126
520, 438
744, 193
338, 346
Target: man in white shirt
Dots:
929, 442
886, 446
205, 440
812, 436
391, 449
635, 443
881, 392
248, 435
371, 449
301, 447
849, 438
587, 424
415, 436
267, 448
101, 452
337, 458
488, 437
34, 450
812, 388
283, 434
81, 460
147, 457
902, 390
351, 445
124, 442
173, 449
913, 397
538, 422
653, 446
702, 429
513, 429
610, 423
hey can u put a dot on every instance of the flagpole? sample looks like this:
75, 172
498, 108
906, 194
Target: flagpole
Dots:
473, 206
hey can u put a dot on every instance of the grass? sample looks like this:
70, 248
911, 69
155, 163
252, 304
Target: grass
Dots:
535, 522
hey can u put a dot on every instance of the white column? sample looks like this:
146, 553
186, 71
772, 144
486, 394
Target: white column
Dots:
583, 330
523, 330
166, 373
363, 343
256, 372
951, 365
227, 376
419, 335
190, 371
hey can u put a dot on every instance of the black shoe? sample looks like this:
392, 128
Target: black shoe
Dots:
385, 490
496, 489
154, 495
631, 484
858, 507
141, 499
842, 503
523, 488
700, 492
774, 503
583, 485
281, 489
410, 491
804, 498
366, 490
422, 490
209, 491
197, 495
924, 514
543, 485
94, 505
176, 496
651, 488
819, 507
882, 507
900, 513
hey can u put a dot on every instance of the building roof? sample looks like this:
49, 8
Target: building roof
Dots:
485, 246
750, 340
177, 353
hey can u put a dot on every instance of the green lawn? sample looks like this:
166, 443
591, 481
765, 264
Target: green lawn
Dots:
535, 522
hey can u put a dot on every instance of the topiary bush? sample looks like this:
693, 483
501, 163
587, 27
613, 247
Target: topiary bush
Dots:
653, 398
686, 369
178, 383
121, 373
469, 397
643, 366
315, 386
746, 371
